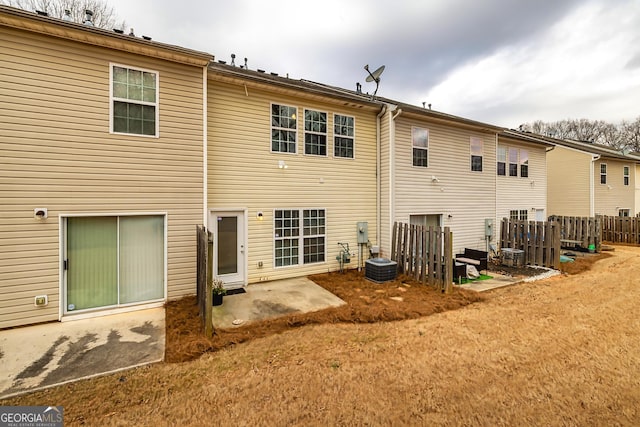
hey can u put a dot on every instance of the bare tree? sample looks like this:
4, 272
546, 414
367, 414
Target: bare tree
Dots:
625, 135
631, 131
104, 15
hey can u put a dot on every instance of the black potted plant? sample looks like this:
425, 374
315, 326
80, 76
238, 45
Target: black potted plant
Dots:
218, 291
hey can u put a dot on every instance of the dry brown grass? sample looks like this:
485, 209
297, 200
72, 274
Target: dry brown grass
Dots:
367, 302
564, 351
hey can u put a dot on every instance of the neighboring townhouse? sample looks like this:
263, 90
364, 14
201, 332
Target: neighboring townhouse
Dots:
291, 174
101, 169
586, 179
521, 171
442, 170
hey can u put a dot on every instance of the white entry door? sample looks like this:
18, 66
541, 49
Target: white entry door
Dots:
229, 247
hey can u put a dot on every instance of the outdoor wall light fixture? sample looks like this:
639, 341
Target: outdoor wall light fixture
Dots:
260, 216
282, 164
434, 178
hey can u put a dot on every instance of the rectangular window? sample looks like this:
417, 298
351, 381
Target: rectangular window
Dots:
623, 212
134, 101
502, 161
343, 134
625, 175
603, 173
513, 215
476, 154
291, 234
524, 163
523, 214
513, 162
315, 133
314, 239
420, 143
283, 128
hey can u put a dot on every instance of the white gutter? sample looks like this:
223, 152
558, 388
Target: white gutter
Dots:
379, 177
205, 160
592, 188
392, 169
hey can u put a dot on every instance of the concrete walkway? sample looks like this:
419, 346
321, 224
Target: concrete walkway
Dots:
272, 299
41, 356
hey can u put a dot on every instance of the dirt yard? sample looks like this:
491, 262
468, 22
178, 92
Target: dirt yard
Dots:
563, 351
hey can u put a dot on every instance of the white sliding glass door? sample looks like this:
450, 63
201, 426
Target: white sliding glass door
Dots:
113, 261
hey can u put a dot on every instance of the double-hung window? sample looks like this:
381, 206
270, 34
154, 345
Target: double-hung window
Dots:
524, 164
625, 175
420, 144
513, 162
283, 128
134, 101
343, 136
291, 234
603, 173
476, 154
315, 133
502, 161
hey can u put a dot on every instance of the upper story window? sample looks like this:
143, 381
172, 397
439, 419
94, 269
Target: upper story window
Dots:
625, 175
603, 173
134, 101
502, 161
343, 131
476, 154
513, 162
283, 128
420, 143
524, 163
315, 133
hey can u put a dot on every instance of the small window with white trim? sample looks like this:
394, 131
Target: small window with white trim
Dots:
291, 234
524, 164
513, 162
625, 175
134, 101
343, 136
502, 161
420, 143
283, 128
603, 173
476, 154
315, 132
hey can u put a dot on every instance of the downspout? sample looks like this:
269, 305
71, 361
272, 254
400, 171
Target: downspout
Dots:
592, 186
205, 138
495, 195
379, 177
392, 170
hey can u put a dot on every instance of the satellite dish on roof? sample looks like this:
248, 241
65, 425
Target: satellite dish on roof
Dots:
374, 77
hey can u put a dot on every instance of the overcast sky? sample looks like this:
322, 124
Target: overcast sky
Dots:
505, 62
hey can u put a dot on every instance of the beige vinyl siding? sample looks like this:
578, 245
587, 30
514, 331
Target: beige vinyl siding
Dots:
614, 195
529, 193
244, 173
57, 153
464, 198
568, 182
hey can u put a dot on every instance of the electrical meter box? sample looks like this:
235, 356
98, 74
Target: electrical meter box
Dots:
488, 227
363, 232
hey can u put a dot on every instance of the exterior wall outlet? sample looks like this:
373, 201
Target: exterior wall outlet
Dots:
41, 301
260, 264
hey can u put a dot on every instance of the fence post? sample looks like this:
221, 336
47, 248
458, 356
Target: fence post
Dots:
448, 260
394, 256
208, 317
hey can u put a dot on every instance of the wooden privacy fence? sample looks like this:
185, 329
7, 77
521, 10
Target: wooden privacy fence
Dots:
204, 291
426, 254
580, 231
539, 240
621, 229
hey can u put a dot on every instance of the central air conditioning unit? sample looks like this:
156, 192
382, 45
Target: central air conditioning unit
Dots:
513, 257
380, 270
